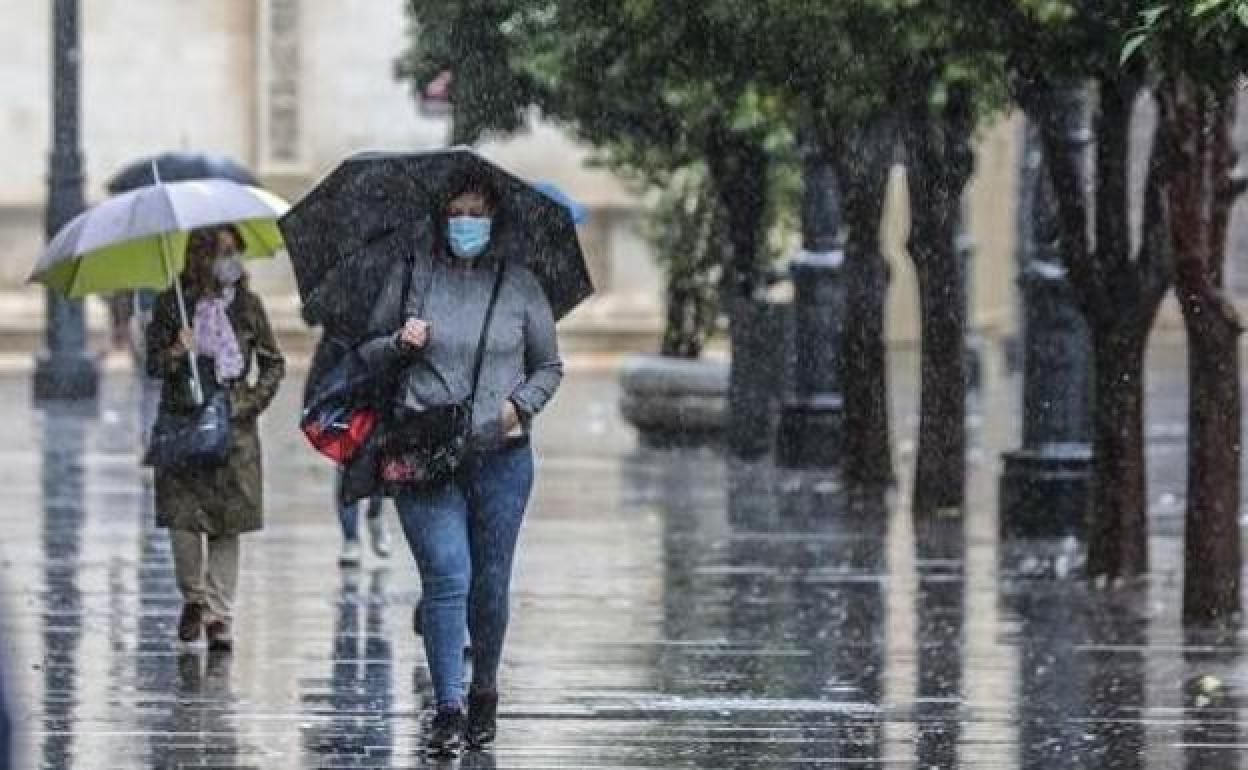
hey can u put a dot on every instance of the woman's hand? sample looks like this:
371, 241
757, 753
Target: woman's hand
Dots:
184, 344
511, 417
415, 333
243, 403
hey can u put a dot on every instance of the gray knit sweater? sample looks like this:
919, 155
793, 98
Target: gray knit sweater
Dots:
522, 354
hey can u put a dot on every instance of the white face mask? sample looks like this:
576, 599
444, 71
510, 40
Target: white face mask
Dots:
227, 270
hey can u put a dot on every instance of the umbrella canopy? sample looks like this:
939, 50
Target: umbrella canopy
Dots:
180, 166
344, 235
137, 240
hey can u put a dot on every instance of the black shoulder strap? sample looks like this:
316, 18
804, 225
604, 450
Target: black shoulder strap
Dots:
485, 330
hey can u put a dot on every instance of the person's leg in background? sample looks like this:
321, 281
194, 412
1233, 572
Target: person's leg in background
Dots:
149, 387
378, 535
349, 520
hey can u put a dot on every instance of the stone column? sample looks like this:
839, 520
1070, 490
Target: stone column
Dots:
1045, 489
812, 416
64, 370
279, 135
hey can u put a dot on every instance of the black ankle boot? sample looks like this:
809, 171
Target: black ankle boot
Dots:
446, 735
482, 718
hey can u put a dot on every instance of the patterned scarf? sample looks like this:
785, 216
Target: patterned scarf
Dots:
215, 338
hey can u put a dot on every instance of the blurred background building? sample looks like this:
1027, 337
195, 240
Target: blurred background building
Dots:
289, 87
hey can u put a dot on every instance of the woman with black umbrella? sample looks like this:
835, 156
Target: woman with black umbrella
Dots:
463, 532
438, 278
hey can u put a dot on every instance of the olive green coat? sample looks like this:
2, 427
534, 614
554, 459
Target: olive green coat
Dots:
229, 499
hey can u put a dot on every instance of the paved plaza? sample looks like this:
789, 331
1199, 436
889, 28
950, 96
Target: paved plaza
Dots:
671, 610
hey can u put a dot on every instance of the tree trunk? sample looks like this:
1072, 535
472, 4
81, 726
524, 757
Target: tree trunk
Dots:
940, 469
940, 161
1201, 193
692, 296
1212, 540
863, 164
738, 168
1118, 293
683, 330
1118, 541
868, 453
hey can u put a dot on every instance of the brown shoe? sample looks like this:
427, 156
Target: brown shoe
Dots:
191, 623
219, 637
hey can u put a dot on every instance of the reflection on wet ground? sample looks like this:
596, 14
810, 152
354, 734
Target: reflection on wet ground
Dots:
671, 610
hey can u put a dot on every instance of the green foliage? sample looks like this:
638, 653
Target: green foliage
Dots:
1204, 39
687, 233
846, 64
1063, 40
658, 78
660, 81
656, 87
468, 38
686, 229
662, 88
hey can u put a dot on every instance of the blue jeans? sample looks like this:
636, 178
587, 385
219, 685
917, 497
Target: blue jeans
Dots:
349, 515
463, 535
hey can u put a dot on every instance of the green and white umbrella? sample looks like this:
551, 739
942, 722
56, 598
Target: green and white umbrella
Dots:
137, 240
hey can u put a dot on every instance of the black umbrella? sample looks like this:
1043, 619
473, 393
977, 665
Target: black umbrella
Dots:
344, 235
178, 166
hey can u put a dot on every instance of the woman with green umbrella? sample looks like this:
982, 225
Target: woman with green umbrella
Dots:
136, 240
207, 508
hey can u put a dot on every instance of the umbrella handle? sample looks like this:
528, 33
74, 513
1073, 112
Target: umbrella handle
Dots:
197, 388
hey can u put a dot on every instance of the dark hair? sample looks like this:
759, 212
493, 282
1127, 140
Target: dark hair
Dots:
201, 251
236, 234
470, 180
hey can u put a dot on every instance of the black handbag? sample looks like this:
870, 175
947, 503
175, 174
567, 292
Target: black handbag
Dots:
195, 439
429, 445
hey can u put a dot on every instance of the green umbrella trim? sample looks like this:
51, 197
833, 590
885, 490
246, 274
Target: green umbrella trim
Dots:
139, 264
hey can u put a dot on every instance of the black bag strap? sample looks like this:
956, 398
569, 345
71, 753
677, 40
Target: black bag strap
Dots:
427, 276
485, 330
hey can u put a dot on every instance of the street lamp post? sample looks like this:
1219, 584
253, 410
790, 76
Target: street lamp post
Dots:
64, 370
1046, 484
812, 417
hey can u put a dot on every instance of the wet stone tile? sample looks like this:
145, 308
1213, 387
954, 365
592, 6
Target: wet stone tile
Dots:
671, 610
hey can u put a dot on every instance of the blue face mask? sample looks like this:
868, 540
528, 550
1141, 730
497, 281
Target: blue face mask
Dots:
468, 236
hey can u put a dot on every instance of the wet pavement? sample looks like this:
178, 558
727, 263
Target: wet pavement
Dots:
671, 610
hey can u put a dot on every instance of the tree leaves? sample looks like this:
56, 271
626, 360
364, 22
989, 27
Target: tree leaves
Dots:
1206, 39
1133, 45
470, 40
